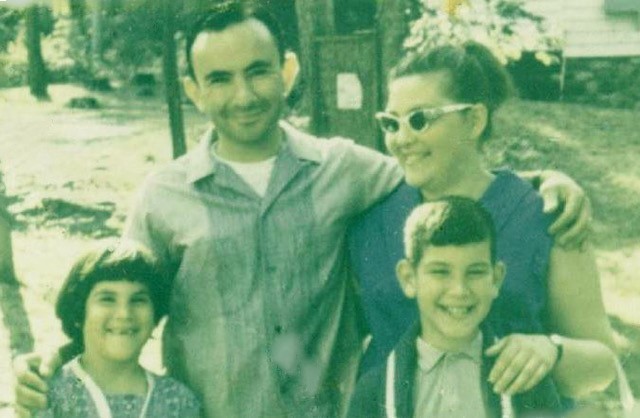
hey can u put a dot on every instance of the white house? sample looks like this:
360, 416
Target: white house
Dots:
594, 28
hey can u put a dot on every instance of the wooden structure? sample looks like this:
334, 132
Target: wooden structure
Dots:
346, 79
344, 64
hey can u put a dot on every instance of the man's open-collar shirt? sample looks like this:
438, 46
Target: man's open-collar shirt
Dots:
262, 319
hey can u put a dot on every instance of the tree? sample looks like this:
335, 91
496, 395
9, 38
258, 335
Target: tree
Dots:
37, 72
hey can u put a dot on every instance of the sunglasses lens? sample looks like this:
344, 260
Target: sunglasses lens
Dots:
388, 124
418, 121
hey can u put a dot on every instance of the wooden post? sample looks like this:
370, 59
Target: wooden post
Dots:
171, 80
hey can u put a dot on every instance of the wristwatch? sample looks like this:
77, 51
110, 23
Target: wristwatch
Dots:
556, 340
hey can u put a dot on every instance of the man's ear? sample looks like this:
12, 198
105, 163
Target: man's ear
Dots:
192, 90
479, 118
406, 276
290, 71
499, 272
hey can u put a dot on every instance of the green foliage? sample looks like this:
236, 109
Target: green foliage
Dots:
132, 40
504, 26
9, 22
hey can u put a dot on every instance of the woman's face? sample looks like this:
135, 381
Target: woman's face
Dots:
434, 159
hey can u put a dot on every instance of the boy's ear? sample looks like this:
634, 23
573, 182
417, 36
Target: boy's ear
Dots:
499, 272
406, 277
192, 90
290, 71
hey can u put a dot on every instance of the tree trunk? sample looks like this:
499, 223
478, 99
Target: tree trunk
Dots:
78, 10
171, 81
37, 73
96, 33
315, 18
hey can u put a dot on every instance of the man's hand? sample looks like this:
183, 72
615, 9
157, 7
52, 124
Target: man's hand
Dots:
31, 371
561, 193
522, 362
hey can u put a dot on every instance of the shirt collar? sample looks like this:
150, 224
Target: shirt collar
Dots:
202, 163
429, 356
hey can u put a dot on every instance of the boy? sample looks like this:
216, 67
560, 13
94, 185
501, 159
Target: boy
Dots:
438, 368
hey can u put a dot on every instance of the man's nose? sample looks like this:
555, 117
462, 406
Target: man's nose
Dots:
244, 92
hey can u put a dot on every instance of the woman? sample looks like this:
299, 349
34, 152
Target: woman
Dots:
439, 113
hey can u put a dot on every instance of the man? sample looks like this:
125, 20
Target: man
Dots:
252, 222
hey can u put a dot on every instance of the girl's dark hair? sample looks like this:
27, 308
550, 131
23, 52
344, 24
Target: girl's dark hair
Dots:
475, 75
222, 15
126, 261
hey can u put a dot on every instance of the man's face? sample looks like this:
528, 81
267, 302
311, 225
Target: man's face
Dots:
238, 81
454, 287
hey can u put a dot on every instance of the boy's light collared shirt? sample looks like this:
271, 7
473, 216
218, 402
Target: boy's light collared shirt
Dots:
448, 384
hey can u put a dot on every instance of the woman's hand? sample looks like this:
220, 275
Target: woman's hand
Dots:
522, 362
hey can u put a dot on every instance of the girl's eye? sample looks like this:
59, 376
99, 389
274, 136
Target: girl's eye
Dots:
477, 273
106, 299
141, 300
438, 272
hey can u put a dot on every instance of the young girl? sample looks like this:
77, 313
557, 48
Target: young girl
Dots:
109, 304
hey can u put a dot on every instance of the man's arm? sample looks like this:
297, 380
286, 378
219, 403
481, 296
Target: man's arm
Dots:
31, 390
371, 174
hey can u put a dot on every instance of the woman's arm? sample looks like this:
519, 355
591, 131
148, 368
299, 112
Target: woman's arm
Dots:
576, 312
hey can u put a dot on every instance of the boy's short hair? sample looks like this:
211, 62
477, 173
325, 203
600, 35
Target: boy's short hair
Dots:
123, 261
223, 15
450, 221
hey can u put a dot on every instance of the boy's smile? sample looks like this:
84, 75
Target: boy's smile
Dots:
454, 286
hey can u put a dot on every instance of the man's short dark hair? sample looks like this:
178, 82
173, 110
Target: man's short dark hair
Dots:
229, 13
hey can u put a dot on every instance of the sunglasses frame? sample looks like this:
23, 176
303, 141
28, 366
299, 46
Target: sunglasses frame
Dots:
431, 114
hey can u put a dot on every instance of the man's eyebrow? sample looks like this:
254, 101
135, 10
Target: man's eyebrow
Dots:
258, 65
217, 74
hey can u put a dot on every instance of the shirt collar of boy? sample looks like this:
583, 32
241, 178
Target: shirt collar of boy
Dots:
429, 356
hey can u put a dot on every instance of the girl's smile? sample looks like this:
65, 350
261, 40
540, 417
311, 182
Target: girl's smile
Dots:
119, 319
